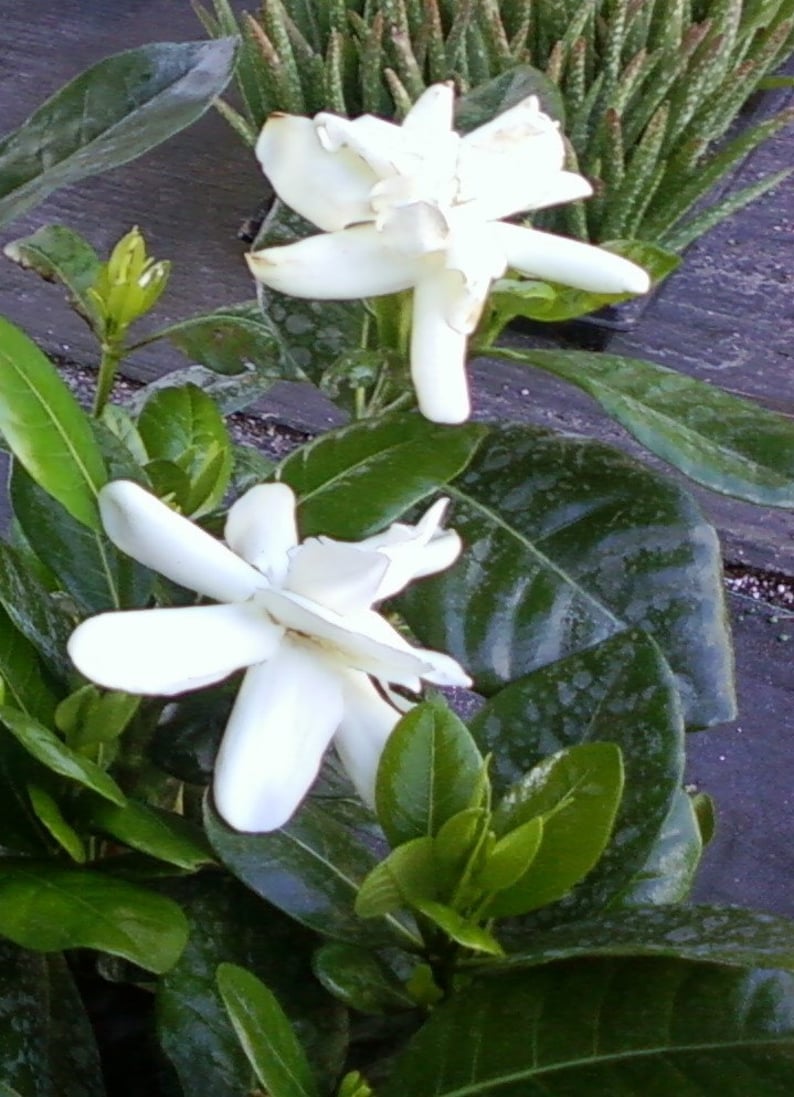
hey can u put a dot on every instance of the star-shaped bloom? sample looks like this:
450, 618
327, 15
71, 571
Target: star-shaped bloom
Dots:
418, 206
297, 617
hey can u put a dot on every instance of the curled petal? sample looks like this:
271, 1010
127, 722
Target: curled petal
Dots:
141, 525
328, 188
559, 259
367, 722
438, 351
338, 576
261, 528
282, 721
167, 651
361, 640
414, 551
338, 266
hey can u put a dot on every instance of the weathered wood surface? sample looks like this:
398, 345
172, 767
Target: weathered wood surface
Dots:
726, 317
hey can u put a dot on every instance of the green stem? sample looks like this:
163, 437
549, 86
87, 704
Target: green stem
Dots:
112, 354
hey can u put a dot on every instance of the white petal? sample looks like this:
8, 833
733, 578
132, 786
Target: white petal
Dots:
438, 351
523, 129
445, 671
261, 528
431, 115
477, 256
508, 189
282, 721
338, 576
330, 189
414, 551
367, 722
338, 266
415, 229
560, 259
364, 640
379, 144
168, 651
153, 534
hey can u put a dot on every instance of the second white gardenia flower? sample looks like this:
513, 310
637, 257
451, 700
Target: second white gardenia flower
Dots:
299, 619
419, 206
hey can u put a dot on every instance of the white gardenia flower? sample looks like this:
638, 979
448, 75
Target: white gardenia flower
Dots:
418, 206
298, 616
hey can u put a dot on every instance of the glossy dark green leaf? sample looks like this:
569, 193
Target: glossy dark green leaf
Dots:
47, 1047
265, 1033
85, 561
46, 429
721, 935
577, 792
235, 339
427, 773
568, 542
311, 869
730, 445
183, 425
620, 691
230, 924
669, 872
111, 113
45, 746
26, 684
155, 831
47, 908
353, 481
631, 1027
59, 254
34, 612
360, 979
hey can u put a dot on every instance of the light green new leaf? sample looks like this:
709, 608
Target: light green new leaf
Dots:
182, 425
620, 691
265, 1033
49, 814
577, 792
45, 746
45, 427
406, 876
427, 773
108, 115
48, 908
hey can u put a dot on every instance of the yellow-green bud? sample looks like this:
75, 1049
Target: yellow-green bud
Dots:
128, 285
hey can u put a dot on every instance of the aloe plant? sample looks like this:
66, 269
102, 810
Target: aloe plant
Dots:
647, 89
